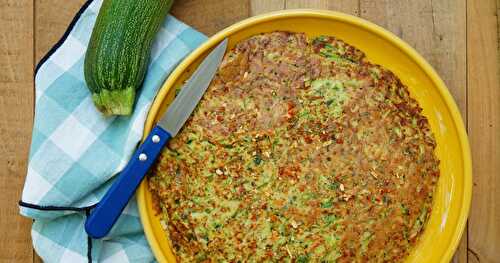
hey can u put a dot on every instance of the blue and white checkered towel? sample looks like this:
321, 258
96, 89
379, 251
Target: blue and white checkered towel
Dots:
76, 152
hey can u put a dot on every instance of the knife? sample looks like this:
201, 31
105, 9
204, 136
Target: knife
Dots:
107, 211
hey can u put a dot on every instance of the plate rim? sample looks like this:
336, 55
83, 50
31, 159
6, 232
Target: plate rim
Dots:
325, 14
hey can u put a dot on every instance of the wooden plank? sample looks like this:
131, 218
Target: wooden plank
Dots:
461, 252
484, 130
319, 4
346, 6
210, 16
36, 258
436, 29
258, 7
49, 28
16, 113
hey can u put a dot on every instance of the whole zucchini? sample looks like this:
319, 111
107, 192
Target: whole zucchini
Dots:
119, 50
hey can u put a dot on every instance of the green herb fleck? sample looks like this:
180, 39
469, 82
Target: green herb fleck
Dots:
326, 204
303, 259
405, 210
257, 159
334, 186
330, 219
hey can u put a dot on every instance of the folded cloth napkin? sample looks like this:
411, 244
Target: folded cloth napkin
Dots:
76, 152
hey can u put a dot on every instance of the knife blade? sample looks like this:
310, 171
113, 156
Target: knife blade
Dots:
104, 215
187, 99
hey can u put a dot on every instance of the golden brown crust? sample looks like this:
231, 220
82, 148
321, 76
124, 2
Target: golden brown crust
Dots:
300, 151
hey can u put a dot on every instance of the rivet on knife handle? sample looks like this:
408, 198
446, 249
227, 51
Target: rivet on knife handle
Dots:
104, 216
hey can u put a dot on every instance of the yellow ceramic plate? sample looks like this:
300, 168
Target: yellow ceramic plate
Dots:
452, 199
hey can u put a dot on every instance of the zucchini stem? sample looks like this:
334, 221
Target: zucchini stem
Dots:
115, 102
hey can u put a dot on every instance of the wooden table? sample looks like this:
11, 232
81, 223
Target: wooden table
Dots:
460, 38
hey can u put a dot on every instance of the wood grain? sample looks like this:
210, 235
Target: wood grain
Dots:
258, 7
49, 28
16, 112
346, 6
210, 16
484, 129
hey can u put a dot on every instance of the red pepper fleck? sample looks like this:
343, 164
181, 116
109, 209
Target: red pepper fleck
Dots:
290, 109
315, 245
274, 218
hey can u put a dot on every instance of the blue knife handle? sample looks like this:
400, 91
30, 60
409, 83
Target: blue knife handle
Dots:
104, 216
